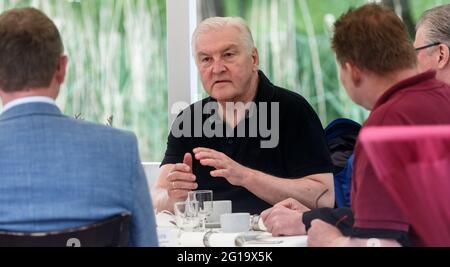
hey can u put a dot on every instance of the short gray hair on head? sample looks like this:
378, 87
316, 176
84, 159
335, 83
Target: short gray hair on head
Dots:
215, 23
436, 23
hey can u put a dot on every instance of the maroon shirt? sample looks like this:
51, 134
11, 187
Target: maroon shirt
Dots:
419, 100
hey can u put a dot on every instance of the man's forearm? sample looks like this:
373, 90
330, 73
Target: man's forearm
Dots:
309, 191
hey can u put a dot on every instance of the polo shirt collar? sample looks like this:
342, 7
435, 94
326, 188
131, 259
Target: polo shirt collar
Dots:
266, 90
405, 84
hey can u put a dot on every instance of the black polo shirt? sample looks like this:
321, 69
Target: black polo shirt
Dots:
301, 149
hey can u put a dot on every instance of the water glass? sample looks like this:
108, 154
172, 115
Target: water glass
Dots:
205, 204
186, 215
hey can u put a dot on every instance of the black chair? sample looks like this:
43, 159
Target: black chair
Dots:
112, 232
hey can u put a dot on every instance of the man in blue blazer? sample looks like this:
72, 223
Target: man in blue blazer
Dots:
57, 172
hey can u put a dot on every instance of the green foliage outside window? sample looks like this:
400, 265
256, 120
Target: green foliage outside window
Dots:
293, 39
117, 53
117, 64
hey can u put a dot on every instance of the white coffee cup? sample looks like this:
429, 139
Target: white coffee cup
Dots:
219, 207
235, 222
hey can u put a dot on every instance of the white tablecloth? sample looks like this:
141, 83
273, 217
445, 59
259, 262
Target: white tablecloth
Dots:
170, 236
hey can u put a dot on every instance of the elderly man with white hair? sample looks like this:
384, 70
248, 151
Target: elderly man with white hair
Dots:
281, 154
433, 42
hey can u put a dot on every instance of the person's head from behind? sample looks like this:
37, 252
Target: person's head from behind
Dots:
226, 57
433, 41
31, 53
370, 41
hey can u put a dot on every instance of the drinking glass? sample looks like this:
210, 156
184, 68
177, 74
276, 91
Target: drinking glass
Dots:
205, 204
186, 215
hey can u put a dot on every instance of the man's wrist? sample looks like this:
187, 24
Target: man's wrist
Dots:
302, 225
248, 175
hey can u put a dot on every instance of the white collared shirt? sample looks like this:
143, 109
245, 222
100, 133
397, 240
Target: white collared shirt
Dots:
29, 99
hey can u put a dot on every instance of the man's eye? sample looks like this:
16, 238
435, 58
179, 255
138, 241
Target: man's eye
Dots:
205, 60
228, 55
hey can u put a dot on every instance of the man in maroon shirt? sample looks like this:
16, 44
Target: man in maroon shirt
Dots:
378, 67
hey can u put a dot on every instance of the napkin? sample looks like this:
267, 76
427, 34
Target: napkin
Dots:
165, 219
248, 239
208, 239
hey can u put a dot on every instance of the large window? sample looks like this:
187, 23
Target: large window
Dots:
293, 39
119, 55
117, 64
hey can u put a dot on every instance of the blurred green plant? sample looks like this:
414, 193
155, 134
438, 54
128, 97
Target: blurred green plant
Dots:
293, 39
117, 64
117, 52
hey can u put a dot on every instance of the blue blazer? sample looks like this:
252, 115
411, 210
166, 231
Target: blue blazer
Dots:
57, 172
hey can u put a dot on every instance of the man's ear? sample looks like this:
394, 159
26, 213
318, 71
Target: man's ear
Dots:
355, 73
60, 74
444, 54
255, 57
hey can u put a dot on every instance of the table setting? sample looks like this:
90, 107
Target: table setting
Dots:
202, 222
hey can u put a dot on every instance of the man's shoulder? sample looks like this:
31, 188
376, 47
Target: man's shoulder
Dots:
88, 137
291, 101
419, 95
288, 96
275, 93
95, 130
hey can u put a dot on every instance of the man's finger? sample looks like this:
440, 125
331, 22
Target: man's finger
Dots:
285, 203
276, 231
206, 155
181, 176
316, 224
210, 162
269, 224
219, 173
177, 185
187, 160
265, 214
203, 149
181, 167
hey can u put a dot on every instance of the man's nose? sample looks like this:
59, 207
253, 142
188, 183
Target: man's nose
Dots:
218, 67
